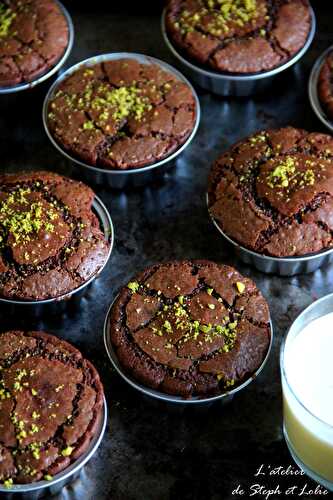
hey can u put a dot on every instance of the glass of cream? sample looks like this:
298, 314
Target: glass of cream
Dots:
307, 386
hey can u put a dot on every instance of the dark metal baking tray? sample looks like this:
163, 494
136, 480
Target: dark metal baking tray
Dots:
149, 452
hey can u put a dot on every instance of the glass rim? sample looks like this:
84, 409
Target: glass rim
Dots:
284, 377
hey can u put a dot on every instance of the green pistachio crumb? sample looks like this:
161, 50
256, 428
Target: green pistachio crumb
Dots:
133, 286
31, 218
6, 18
89, 125
8, 483
167, 326
240, 286
66, 452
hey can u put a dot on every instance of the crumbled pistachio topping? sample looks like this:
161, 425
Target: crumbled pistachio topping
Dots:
256, 139
222, 14
6, 18
133, 286
240, 286
194, 330
35, 449
235, 10
118, 103
19, 425
127, 101
285, 175
4, 394
23, 222
66, 452
88, 125
282, 173
167, 326
227, 383
8, 483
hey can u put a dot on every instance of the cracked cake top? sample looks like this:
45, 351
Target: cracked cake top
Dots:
239, 36
33, 36
273, 192
51, 401
121, 114
50, 239
190, 328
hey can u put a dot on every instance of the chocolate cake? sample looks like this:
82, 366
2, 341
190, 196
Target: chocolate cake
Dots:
51, 401
190, 328
50, 239
238, 36
121, 114
273, 192
325, 85
33, 36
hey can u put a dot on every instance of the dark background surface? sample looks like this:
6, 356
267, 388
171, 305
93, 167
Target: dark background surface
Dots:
150, 451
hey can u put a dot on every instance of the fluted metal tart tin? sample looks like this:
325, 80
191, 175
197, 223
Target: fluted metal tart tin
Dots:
313, 90
169, 398
46, 489
282, 266
54, 69
229, 84
113, 178
65, 302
